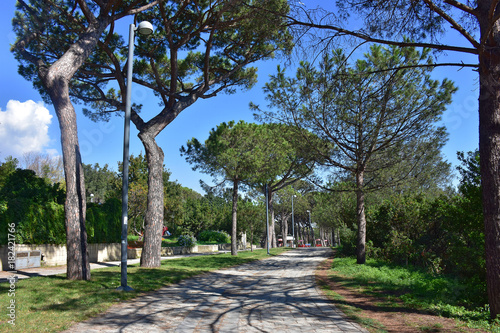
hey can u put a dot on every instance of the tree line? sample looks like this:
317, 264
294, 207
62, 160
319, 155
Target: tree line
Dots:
71, 52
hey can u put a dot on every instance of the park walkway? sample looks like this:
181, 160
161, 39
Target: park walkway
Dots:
278, 294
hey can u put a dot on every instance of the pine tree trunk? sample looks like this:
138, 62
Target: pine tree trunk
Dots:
78, 265
489, 150
56, 79
272, 232
56, 83
360, 212
284, 231
234, 229
151, 252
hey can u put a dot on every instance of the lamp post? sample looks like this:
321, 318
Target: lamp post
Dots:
310, 225
293, 224
144, 28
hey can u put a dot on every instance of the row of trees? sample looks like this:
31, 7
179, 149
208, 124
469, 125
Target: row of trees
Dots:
219, 38
377, 123
36, 205
441, 231
71, 51
404, 24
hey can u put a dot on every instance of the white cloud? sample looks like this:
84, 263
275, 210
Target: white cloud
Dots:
24, 128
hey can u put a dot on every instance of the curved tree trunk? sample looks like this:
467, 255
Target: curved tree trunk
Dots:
78, 265
234, 234
56, 81
151, 252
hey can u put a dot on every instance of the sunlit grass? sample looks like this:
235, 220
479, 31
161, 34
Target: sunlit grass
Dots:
441, 295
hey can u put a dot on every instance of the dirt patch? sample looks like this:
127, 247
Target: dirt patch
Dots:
135, 244
390, 318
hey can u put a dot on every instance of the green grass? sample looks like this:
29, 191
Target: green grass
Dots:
52, 304
441, 295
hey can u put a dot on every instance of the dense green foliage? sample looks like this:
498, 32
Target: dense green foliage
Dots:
104, 222
36, 207
377, 126
214, 236
443, 234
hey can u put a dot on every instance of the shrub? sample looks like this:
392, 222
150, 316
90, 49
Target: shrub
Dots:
186, 240
104, 222
214, 236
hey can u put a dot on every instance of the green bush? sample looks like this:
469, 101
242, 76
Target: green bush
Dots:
220, 237
186, 240
35, 206
103, 222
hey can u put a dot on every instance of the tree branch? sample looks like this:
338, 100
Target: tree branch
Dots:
360, 35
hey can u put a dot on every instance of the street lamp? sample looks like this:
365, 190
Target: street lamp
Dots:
293, 224
144, 28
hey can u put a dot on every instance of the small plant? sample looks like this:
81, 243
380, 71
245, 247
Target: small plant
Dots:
186, 240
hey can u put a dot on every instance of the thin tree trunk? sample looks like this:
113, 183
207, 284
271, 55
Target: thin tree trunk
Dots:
251, 237
285, 231
360, 211
234, 229
272, 232
151, 252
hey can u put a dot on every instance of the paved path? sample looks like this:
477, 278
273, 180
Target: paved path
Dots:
276, 295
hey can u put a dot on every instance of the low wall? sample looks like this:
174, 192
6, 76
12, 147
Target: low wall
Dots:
241, 247
54, 255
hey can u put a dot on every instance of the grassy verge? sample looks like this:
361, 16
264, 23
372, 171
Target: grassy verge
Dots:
441, 295
352, 312
52, 304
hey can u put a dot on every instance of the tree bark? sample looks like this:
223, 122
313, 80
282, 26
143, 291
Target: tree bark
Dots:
272, 232
489, 150
360, 212
78, 265
151, 252
234, 234
284, 230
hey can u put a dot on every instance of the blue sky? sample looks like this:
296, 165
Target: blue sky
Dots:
28, 124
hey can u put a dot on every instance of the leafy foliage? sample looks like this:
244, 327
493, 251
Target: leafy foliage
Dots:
214, 236
186, 240
104, 222
35, 206
443, 234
